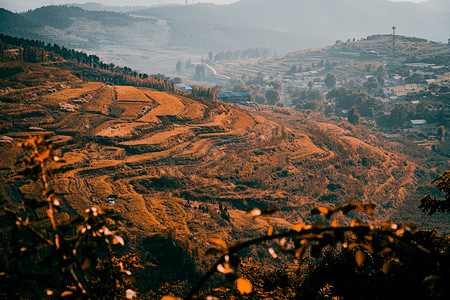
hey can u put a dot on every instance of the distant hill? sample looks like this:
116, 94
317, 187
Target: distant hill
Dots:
348, 55
95, 6
323, 19
345, 18
17, 25
141, 38
62, 17
281, 24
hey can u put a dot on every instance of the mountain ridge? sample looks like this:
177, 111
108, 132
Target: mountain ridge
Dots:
157, 37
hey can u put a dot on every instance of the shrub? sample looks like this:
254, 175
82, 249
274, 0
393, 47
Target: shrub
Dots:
50, 253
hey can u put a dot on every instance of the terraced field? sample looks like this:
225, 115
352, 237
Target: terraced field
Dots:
172, 161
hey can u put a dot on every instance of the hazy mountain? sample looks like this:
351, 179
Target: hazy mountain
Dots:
153, 39
323, 19
440, 7
17, 25
12, 20
95, 6
63, 17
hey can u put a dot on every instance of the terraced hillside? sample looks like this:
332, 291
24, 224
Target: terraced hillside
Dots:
351, 56
193, 168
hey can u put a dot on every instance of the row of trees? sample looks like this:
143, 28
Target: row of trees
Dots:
240, 54
90, 67
37, 51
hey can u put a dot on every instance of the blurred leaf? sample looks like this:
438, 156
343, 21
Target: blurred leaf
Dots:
360, 257
254, 212
224, 268
411, 227
368, 248
319, 211
388, 225
301, 252
171, 298
244, 286
400, 232
218, 242
356, 222
299, 226
49, 213
273, 253
387, 266
335, 223
48, 193
118, 240
385, 250
86, 264
352, 246
130, 294
431, 279
44, 156
66, 293
270, 230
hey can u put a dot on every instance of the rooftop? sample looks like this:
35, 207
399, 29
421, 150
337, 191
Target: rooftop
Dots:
418, 122
229, 95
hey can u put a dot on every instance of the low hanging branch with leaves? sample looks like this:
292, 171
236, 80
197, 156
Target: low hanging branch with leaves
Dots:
302, 239
431, 205
70, 247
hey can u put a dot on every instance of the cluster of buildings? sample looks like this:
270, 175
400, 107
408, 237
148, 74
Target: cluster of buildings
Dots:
302, 79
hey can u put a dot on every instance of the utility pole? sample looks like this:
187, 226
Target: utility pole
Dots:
393, 41
393, 35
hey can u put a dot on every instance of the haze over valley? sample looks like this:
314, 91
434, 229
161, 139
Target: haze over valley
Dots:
153, 39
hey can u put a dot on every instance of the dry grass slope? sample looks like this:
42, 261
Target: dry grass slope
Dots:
172, 166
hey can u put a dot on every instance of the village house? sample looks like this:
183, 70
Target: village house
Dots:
420, 125
418, 122
236, 98
383, 101
183, 87
402, 90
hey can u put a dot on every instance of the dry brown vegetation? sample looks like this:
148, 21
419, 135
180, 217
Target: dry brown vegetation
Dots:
171, 161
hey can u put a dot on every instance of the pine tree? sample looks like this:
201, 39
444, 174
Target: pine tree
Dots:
353, 116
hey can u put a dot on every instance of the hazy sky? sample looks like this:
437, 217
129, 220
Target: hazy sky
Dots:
22, 5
